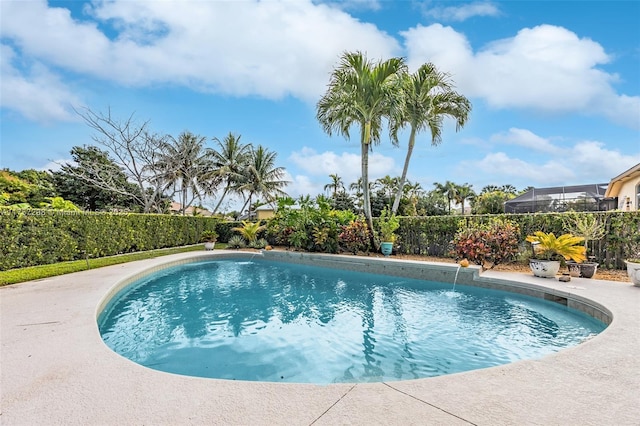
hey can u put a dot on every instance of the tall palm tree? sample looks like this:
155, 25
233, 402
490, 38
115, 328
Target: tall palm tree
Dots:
464, 193
185, 165
362, 92
229, 160
428, 98
335, 185
262, 177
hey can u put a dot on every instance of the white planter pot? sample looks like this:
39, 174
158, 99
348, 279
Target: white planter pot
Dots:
544, 268
209, 245
633, 270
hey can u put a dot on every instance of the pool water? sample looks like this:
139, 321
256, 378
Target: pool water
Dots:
269, 321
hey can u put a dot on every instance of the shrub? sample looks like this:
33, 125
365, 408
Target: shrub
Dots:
236, 242
388, 223
260, 243
483, 244
355, 237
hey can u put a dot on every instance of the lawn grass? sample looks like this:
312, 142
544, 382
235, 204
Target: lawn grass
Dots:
14, 276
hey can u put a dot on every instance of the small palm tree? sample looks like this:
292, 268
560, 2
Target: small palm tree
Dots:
449, 190
249, 230
464, 193
262, 177
335, 185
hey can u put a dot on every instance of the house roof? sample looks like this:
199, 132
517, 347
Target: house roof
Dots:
177, 207
614, 186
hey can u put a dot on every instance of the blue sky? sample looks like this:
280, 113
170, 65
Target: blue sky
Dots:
555, 86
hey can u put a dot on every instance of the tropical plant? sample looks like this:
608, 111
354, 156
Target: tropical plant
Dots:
587, 226
260, 243
335, 186
355, 236
229, 160
249, 230
428, 97
236, 242
565, 247
483, 244
185, 166
363, 93
209, 236
464, 193
449, 190
388, 224
490, 202
261, 177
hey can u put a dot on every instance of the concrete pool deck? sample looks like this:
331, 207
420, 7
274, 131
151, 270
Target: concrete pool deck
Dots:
55, 369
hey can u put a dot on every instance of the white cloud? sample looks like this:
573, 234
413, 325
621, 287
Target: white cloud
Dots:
270, 49
524, 138
302, 185
545, 68
583, 163
464, 12
37, 94
315, 169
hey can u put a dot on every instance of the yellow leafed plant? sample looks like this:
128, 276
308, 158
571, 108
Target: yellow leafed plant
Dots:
547, 247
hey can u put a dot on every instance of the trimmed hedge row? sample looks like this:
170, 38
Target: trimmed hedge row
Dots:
39, 237
433, 235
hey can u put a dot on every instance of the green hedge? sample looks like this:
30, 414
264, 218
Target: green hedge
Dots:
39, 237
433, 235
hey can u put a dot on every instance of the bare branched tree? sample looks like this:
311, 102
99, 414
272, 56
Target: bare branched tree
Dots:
134, 150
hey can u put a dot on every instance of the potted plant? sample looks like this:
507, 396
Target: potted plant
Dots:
633, 269
209, 239
590, 228
549, 252
388, 223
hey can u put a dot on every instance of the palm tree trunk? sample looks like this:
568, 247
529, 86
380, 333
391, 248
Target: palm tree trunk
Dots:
412, 141
224, 193
366, 200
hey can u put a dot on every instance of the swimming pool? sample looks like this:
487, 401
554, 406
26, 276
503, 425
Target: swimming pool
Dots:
259, 320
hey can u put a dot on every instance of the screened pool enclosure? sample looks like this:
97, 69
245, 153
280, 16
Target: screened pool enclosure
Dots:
562, 198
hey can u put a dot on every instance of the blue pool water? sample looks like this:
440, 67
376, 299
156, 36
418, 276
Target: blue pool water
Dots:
268, 321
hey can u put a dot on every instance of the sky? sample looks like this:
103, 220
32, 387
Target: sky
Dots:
555, 85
